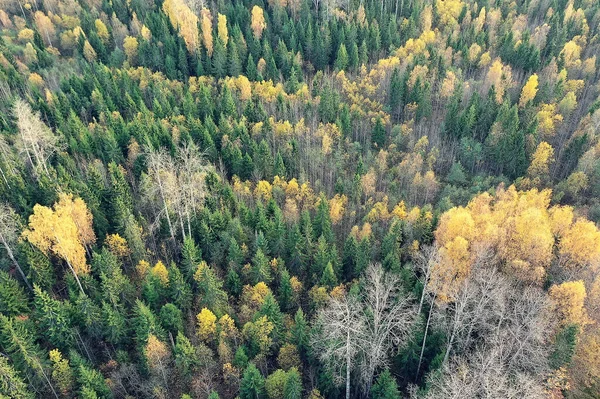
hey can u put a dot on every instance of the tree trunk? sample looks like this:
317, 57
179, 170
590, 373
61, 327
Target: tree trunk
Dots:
425, 337
348, 363
14, 261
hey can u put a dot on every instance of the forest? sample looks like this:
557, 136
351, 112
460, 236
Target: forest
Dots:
294, 199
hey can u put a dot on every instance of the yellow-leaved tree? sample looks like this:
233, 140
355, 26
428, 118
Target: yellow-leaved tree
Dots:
63, 232
568, 299
529, 90
258, 23
207, 324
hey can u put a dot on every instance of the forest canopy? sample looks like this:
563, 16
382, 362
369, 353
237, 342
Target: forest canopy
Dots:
292, 199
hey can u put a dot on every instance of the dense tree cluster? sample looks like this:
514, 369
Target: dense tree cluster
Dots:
299, 199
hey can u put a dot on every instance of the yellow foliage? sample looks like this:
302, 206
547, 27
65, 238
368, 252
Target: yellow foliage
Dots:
571, 53
561, 218
399, 210
157, 352
580, 245
160, 271
222, 28
117, 245
547, 119
456, 222
337, 206
88, 52
102, 31
185, 20
568, 299
207, 324
263, 190
258, 23
130, 46
26, 35
449, 11
206, 24
57, 232
453, 268
542, 157
529, 90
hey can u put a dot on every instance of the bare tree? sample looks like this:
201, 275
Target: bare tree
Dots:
178, 184
389, 317
340, 336
483, 375
35, 139
8, 236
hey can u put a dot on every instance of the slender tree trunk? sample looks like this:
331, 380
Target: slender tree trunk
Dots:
76, 277
425, 337
348, 364
14, 261
47, 379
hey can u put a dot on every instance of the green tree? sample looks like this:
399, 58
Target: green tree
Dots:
385, 387
293, 385
252, 385
11, 383
53, 318
341, 62
13, 300
378, 134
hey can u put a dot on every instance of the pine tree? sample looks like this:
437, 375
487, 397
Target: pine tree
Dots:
293, 385
11, 383
252, 385
378, 134
219, 59
261, 270
342, 60
53, 318
235, 64
385, 387
13, 300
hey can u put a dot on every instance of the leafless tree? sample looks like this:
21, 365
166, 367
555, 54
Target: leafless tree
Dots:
483, 375
8, 236
340, 337
177, 184
389, 317
35, 140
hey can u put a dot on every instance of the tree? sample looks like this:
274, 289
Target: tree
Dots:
207, 326
53, 318
19, 343
252, 385
58, 232
385, 387
293, 385
222, 29
275, 384
341, 62
529, 90
8, 237
11, 383
339, 338
378, 134
13, 299
62, 373
35, 139
389, 315
258, 23
159, 357
568, 299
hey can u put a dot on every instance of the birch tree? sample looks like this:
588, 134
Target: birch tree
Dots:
340, 336
176, 186
35, 140
389, 317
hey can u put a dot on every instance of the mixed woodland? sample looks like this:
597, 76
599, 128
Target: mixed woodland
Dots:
290, 199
